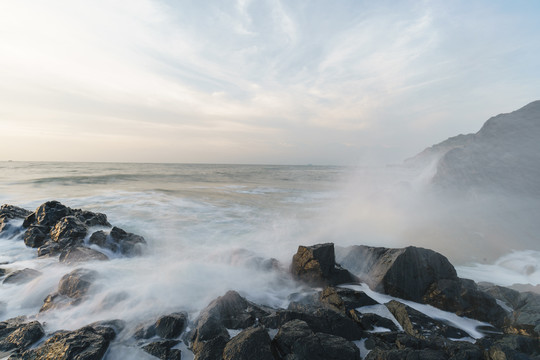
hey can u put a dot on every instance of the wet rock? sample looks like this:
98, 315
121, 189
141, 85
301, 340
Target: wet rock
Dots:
144, 331
129, 244
47, 214
370, 321
70, 229
463, 298
422, 326
510, 347
426, 354
89, 218
101, 239
405, 273
15, 334
296, 340
525, 319
86, 343
49, 248
35, 236
252, 343
21, 276
172, 325
316, 266
8, 213
162, 350
343, 300
230, 311
71, 289
319, 320
80, 254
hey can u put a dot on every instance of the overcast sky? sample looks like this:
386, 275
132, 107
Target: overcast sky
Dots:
270, 81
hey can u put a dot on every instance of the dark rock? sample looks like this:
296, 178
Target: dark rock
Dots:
369, 321
81, 253
405, 273
252, 343
510, 297
427, 354
316, 265
115, 325
69, 229
21, 276
49, 248
463, 298
16, 335
526, 315
230, 311
162, 350
47, 214
86, 343
101, 239
319, 320
35, 236
144, 331
89, 218
296, 340
171, 326
129, 244
510, 347
57, 301
422, 326
343, 300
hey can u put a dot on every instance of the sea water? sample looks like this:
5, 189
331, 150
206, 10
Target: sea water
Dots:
210, 228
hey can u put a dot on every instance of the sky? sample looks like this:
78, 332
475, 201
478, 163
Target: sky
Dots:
345, 82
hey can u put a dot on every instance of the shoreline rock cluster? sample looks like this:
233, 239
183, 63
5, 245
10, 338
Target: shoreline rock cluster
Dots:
326, 321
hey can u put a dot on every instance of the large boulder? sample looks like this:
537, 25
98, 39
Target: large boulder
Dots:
89, 218
87, 343
8, 213
128, 243
72, 289
172, 325
421, 275
316, 265
296, 340
36, 235
69, 230
252, 343
162, 349
47, 214
344, 300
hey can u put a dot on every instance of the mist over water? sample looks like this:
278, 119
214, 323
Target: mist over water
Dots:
210, 228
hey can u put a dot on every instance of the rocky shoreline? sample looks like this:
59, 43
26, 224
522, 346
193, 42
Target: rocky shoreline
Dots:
334, 318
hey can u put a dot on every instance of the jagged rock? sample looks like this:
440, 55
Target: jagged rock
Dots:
47, 214
343, 300
16, 334
21, 276
145, 331
511, 347
316, 265
49, 248
70, 229
296, 340
162, 350
252, 343
101, 239
422, 326
35, 236
230, 311
426, 354
89, 218
86, 343
129, 243
369, 321
81, 253
525, 319
171, 326
319, 320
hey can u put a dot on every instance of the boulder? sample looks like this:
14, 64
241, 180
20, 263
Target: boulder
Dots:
171, 326
49, 249
252, 343
35, 236
89, 218
296, 340
369, 322
15, 334
8, 213
87, 343
71, 289
101, 239
162, 350
79, 254
21, 276
316, 266
69, 229
47, 214
129, 244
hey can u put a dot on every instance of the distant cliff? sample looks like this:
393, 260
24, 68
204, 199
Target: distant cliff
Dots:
503, 156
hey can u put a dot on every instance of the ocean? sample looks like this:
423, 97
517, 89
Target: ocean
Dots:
210, 229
